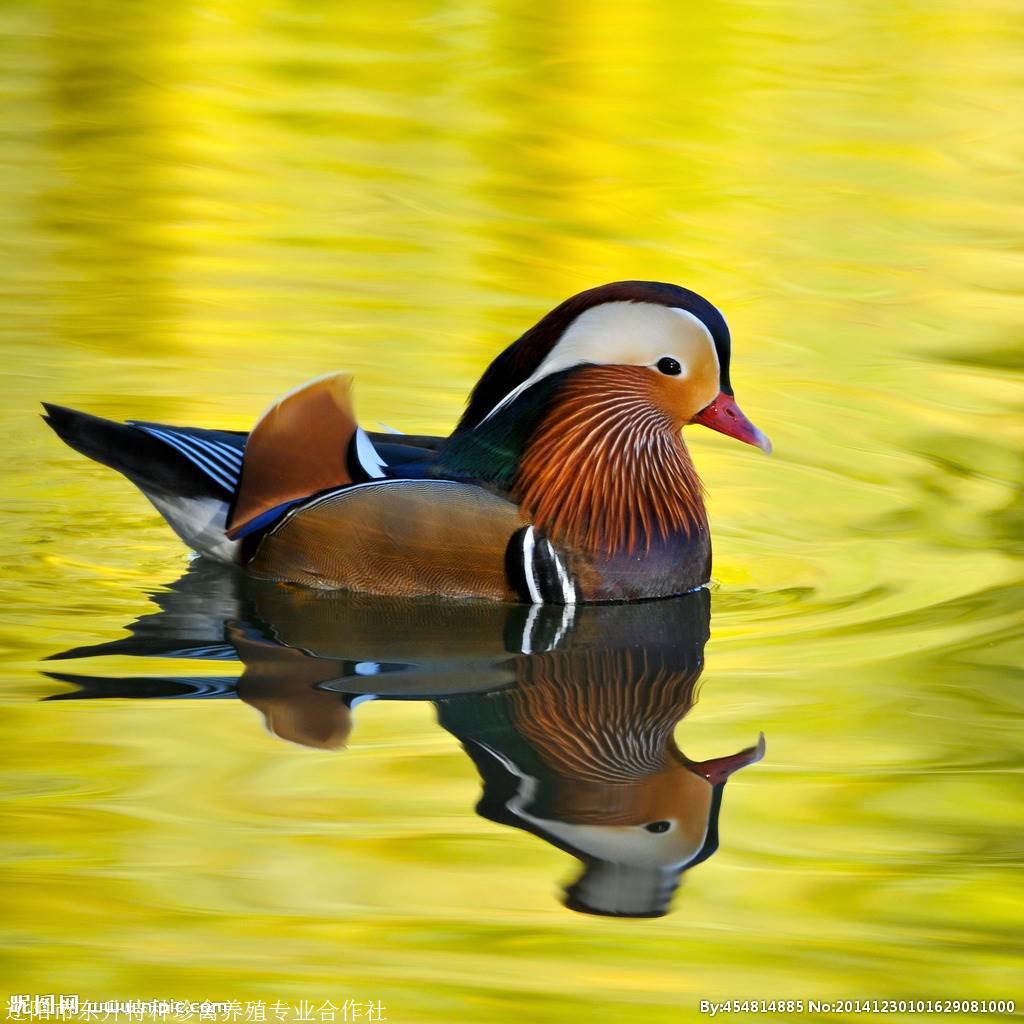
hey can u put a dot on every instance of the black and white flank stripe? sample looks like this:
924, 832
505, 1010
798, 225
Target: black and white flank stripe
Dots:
536, 571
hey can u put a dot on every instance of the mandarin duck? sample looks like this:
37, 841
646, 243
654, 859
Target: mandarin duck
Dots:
566, 479
568, 713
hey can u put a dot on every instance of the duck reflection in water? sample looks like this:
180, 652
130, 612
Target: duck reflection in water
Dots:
567, 713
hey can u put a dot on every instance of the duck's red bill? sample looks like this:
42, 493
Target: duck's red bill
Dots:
718, 769
725, 416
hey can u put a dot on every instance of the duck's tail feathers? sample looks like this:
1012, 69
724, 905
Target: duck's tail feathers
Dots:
181, 461
144, 687
215, 487
190, 475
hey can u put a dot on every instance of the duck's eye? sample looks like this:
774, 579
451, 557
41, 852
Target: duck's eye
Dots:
659, 826
670, 366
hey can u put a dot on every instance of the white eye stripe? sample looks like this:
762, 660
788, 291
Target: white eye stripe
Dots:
628, 333
694, 319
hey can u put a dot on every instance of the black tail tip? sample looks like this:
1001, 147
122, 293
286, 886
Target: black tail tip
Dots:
57, 416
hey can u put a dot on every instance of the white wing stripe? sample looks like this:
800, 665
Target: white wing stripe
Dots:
214, 471
231, 457
220, 453
368, 456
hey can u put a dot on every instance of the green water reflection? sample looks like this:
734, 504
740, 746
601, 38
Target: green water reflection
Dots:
204, 205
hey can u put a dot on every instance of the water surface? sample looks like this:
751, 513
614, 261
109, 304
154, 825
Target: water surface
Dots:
206, 205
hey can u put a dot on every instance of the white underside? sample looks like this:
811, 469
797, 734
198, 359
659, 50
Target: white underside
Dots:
200, 523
